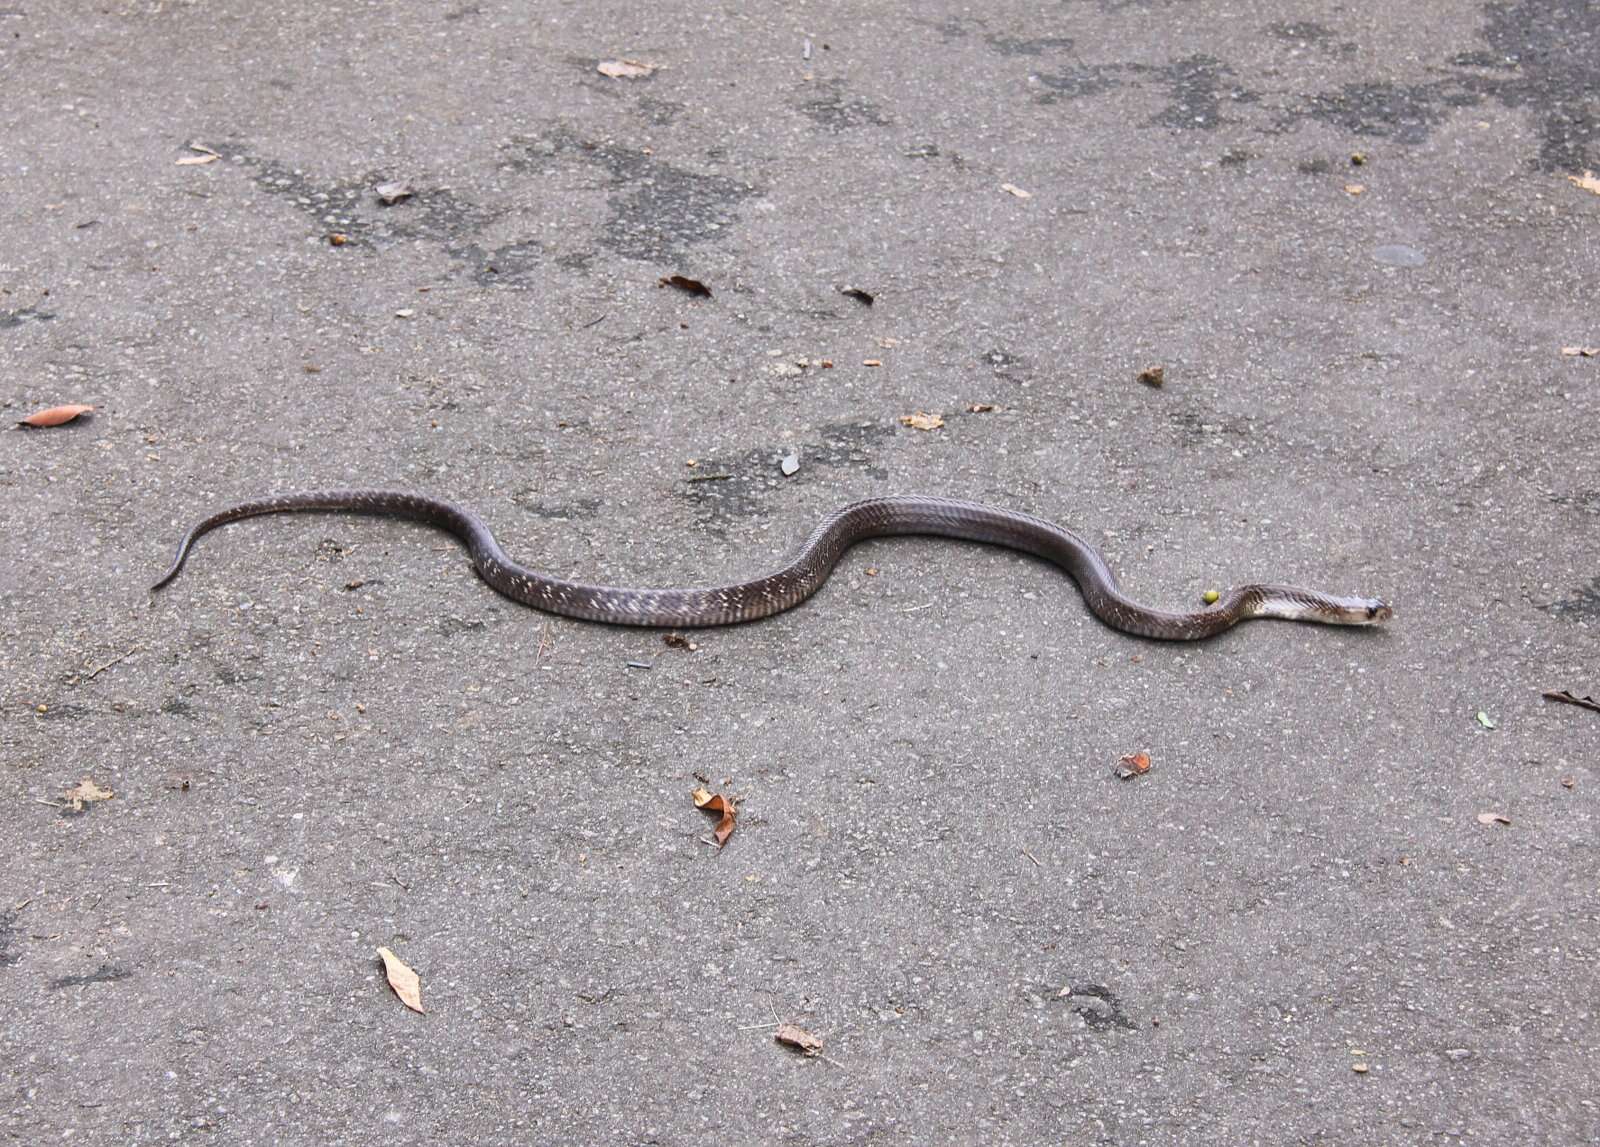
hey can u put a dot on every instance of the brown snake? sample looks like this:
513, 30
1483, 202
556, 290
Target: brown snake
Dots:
810, 566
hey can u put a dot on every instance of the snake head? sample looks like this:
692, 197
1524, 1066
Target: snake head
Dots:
1357, 611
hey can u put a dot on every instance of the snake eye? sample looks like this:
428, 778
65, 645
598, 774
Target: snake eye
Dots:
1372, 611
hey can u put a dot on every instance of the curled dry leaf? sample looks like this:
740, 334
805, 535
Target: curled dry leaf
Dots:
979, 407
395, 192
1581, 351
1493, 818
338, 239
625, 69
1133, 765
795, 1036
1013, 189
1153, 376
678, 641
716, 802
405, 982
687, 285
197, 160
1567, 698
1355, 189
857, 294
921, 420
86, 792
55, 415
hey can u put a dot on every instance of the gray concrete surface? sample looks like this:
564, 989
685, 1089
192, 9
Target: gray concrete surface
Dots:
932, 844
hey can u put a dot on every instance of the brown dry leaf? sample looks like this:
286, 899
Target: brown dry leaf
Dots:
206, 155
686, 284
921, 420
795, 1036
872, 362
1153, 376
1133, 765
1493, 818
405, 982
1567, 698
1013, 189
625, 69
55, 415
979, 407
1588, 181
716, 802
1581, 351
338, 239
85, 792
857, 294
679, 641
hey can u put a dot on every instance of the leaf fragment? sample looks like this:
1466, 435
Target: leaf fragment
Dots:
1486, 721
679, 641
922, 420
1132, 765
396, 191
86, 792
405, 982
980, 407
857, 294
685, 284
1153, 376
1355, 189
1588, 181
1013, 189
1581, 351
708, 801
625, 69
54, 415
198, 160
1493, 818
795, 1036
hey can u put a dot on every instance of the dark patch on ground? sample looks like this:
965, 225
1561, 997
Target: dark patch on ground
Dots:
1584, 605
573, 509
1007, 46
1584, 501
1405, 113
1313, 167
1554, 47
840, 445
178, 707
658, 211
1303, 31
1100, 1007
8, 935
834, 108
451, 626
104, 974
1079, 81
1002, 361
63, 713
16, 318
1197, 85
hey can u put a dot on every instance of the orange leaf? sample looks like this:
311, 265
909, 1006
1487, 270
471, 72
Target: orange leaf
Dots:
715, 802
405, 982
55, 415
792, 1035
922, 421
1133, 765
687, 285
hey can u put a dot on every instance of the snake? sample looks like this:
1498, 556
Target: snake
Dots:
809, 566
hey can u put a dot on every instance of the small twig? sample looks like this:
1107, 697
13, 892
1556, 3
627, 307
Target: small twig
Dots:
1032, 857
51, 803
1567, 698
93, 673
708, 478
595, 322
757, 1027
544, 643
915, 608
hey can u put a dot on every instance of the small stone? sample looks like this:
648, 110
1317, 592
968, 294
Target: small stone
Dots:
391, 193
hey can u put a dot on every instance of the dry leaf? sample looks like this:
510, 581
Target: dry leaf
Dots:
406, 983
686, 284
625, 69
678, 641
1493, 818
792, 1035
979, 407
1567, 698
85, 792
715, 802
858, 294
1581, 351
1153, 376
1133, 765
1587, 181
1354, 189
872, 362
922, 421
203, 149
338, 239
197, 160
55, 415
1013, 189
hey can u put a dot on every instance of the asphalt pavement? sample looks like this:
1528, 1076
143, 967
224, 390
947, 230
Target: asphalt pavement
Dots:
1300, 293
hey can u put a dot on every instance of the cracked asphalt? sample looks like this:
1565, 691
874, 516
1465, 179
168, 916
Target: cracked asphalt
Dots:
1354, 900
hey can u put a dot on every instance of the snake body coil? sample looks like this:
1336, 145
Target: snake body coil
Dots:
810, 566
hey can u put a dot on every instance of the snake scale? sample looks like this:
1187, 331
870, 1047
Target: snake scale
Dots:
811, 564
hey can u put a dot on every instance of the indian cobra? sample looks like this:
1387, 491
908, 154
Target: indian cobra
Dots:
805, 572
